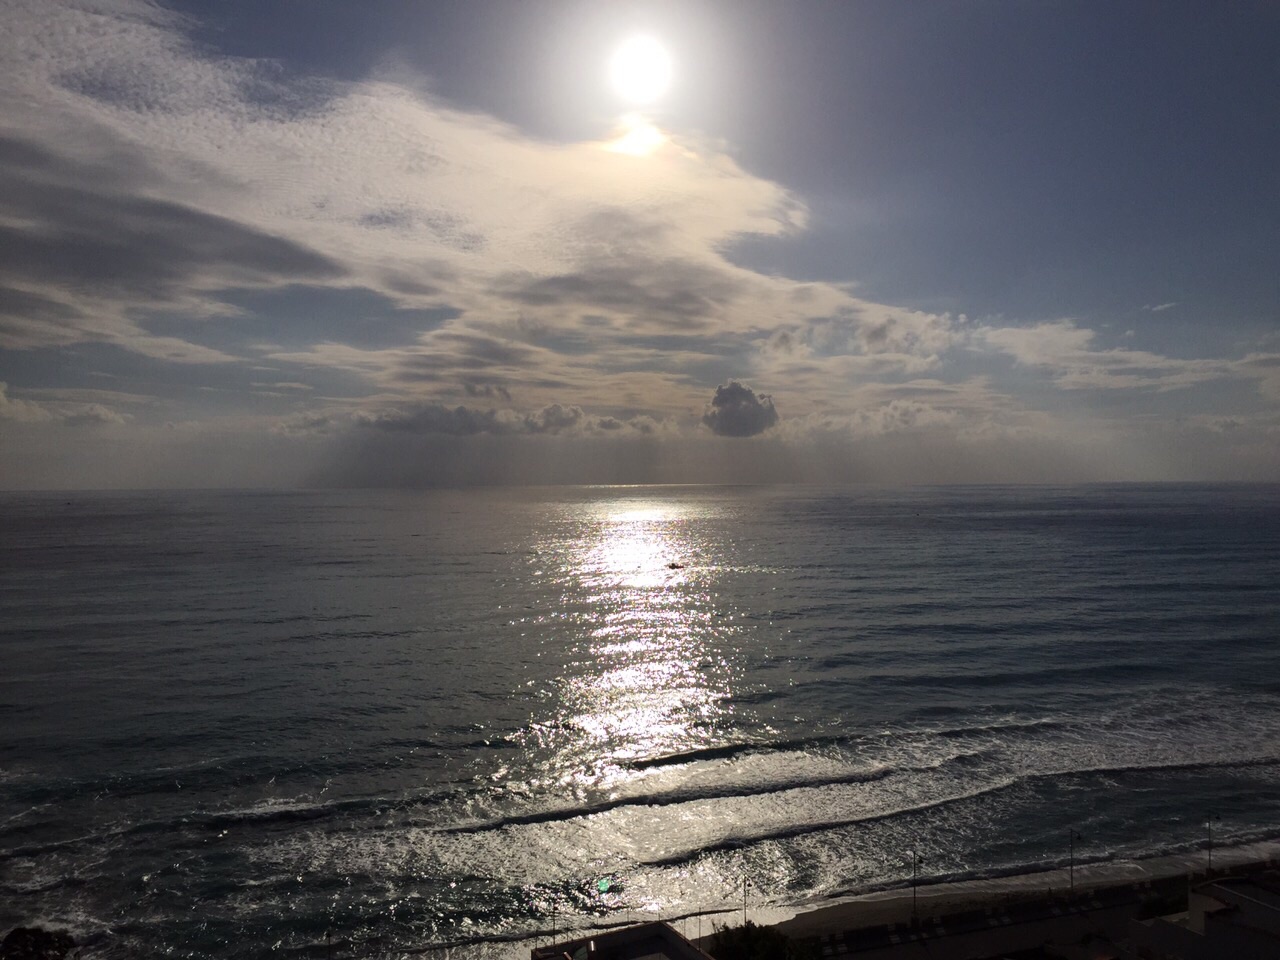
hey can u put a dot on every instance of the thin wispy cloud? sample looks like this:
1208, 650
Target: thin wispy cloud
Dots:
261, 251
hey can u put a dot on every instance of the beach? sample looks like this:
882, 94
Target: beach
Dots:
896, 907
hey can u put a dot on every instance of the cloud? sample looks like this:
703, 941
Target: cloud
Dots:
23, 410
671, 294
736, 411
1160, 307
1067, 351
1265, 368
931, 411
463, 421
143, 174
553, 419
435, 418
426, 282
69, 412
309, 424
474, 389
92, 415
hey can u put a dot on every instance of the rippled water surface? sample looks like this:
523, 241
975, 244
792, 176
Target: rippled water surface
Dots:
243, 723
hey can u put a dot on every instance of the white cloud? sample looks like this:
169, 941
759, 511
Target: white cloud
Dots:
71, 412
590, 299
24, 410
1067, 351
254, 179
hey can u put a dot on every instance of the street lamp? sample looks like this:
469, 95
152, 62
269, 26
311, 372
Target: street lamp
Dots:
915, 873
745, 883
1072, 837
1209, 826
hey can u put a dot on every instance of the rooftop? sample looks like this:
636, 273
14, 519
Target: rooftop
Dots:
646, 941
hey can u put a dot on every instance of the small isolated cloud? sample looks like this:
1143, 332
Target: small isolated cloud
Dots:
737, 411
1160, 307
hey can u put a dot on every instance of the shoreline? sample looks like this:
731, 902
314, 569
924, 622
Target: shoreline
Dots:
846, 913
1154, 877
858, 911
842, 913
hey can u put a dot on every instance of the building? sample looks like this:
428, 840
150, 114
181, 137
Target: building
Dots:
1236, 917
645, 941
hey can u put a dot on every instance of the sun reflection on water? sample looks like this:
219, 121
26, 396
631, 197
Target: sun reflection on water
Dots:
649, 676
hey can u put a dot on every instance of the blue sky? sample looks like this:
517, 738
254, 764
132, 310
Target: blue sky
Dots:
256, 243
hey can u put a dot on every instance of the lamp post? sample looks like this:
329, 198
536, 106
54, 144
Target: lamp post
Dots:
915, 873
1072, 837
1209, 826
745, 883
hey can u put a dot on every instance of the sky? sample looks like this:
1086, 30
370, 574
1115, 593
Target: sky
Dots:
259, 243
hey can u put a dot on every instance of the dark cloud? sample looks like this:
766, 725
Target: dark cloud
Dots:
147, 246
670, 293
24, 304
876, 334
426, 280
106, 161
619, 232
298, 316
736, 411
783, 342
453, 351
487, 390
1262, 361
179, 388
553, 419
87, 229
436, 418
447, 230
307, 424
29, 318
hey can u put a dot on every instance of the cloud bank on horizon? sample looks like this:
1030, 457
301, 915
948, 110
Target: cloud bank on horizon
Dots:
227, 270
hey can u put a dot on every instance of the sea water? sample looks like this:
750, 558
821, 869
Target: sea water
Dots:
241, 724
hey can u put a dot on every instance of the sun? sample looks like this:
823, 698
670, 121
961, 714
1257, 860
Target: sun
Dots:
640, 70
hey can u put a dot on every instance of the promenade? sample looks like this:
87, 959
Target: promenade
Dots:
1008, 915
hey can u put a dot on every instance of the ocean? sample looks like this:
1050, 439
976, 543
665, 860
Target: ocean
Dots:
385, 722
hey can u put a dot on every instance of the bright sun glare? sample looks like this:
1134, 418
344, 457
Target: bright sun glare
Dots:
636, 136
641, 70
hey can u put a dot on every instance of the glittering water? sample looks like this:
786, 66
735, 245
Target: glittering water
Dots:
240, 723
